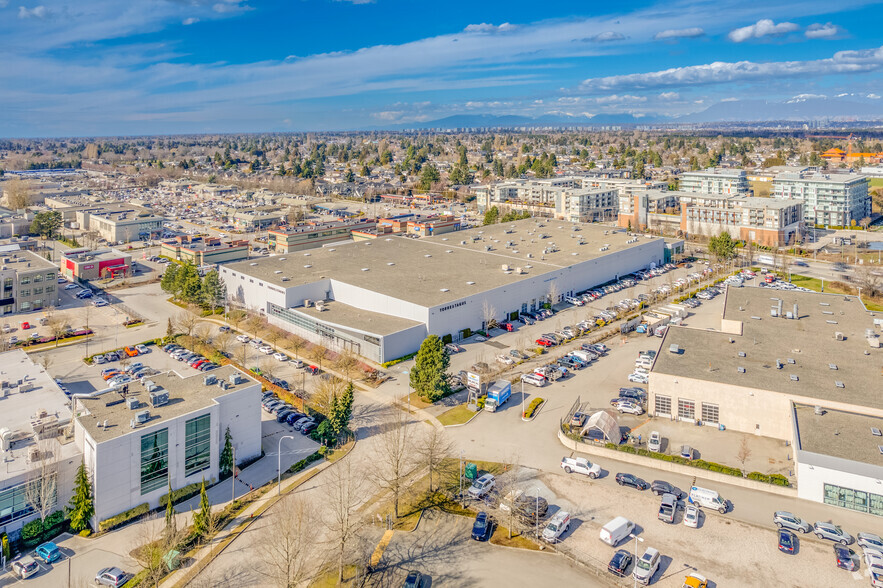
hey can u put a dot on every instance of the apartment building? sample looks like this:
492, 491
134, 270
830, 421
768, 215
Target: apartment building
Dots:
715, 180
828, 199
764, 221
29, 281
635, 209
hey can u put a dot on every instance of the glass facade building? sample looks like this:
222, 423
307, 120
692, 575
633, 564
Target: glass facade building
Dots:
154, 460
197, 444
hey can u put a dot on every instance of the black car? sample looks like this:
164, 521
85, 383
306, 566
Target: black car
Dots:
787, 542
481, 528
632, 481
414, 580
660, 487
308, 428
844, 557
620, 562
631, 394
532, 508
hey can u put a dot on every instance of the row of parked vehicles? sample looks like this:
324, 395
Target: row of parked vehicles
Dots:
191, 358
575, 360
117, 376
286, 413
641, 373
119, 354
48, 553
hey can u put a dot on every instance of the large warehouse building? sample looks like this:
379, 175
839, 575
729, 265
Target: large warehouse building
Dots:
383, 297
797, 366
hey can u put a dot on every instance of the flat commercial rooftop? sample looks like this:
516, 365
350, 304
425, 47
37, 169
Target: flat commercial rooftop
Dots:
186, 395
819, 359
846, 435
350, 317
434, 270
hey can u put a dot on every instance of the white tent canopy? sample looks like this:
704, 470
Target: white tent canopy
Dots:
605, 423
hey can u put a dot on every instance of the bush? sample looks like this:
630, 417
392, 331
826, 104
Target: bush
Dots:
54, 519
302, 464
188, 491
447, 339
532, 407
480, 403
123, 517
399, 360
775, 479
85, 532
32, 532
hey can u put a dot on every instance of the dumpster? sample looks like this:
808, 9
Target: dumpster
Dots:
471, 471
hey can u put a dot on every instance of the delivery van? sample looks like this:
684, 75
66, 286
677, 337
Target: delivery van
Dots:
707, 499
616, 530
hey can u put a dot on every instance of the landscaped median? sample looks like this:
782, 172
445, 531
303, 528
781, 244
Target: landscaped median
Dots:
774, 484
532, 409
459, 415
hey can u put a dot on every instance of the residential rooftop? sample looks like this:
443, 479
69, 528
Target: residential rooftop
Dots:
845, 435
107, 416
808, 347
446, 267
820, 178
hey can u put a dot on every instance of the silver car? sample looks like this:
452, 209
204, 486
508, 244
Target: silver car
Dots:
832, 532
869, 541
784, 519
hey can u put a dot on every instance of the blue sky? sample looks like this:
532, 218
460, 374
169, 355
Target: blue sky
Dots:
109, 67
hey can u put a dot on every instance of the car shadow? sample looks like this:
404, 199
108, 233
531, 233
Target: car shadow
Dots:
664, 563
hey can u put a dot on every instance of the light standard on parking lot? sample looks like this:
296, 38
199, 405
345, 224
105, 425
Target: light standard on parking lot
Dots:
462, 500
522, 398
279, 463
636, 538
408, 373
536, 515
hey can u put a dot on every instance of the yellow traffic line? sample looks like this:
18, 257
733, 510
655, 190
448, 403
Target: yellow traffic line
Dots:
381, 547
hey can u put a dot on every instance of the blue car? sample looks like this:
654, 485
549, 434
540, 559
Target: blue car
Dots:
786, 541
48, 552
481, 528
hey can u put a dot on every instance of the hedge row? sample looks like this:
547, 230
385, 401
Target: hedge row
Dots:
123, 517
399, 360
302, 464
37, 531
775, 479
188, 491
532, 407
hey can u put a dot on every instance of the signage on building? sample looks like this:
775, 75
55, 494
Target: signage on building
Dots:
90, 266
454, 305
473, 381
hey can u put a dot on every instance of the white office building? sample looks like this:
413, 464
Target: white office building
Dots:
138, 439
715, 180
828, 199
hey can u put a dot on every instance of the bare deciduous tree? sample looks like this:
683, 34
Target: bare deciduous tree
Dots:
317, 354
346, 363
488, 314
433, 447
202, 331
287, 543
295, 343
868, 279
185, 322
158, 540
324, 390
394, 458
344, 495
223, 342
41, 488
18, 194
744, 451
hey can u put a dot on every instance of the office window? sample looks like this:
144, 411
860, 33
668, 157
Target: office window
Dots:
662, 405
13, 504
38, 303
154, 460
50, 288
50, 277
7, 284
24, 293
686, 409
25, 306
710, 413
38, 291
25, 280
197, 444
853, 499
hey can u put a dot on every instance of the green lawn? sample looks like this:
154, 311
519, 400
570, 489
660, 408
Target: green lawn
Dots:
876, 182
815, 284
456, 416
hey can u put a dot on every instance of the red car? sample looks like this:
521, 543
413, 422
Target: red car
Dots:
508, 326
545, 342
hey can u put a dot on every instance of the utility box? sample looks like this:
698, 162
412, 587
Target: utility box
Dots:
471, 471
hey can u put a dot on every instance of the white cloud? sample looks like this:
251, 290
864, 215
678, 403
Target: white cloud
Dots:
616, 99
231, 6
487, 27
730, 99
823, 31
605, 37
762, 28
842, 62
873, 96
40, 12
690, 33
804, 98
669, 96
189, 21
388, 115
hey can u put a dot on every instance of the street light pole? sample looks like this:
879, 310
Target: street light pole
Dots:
636, 538
408, 373
462, 501
233, 477
279, 463
522, 398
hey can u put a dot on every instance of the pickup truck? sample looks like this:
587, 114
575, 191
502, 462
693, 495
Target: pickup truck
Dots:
580, 465
667, 508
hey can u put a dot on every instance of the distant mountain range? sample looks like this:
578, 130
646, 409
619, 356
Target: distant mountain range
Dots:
799, 108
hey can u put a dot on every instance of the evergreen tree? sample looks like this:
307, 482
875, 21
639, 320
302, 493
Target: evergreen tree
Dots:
170, 279
225, 462
491, 216
171, 525
428, 176
202, 519
81, 508
213, 290
722, 246
429, 376
349, 176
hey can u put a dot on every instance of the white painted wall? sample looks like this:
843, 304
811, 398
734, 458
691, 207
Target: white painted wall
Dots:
823, 470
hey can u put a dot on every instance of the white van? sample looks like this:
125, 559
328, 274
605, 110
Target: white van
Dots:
533, 379
583, 355
708, 499
616, 530
558, 524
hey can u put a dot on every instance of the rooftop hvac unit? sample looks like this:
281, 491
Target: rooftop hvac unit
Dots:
159, 398
234, 379
307, 302
209, 380
132, 403
818, 410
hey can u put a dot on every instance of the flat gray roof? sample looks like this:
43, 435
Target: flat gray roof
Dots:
445, 267
845, 435
186, 395
810, 341
350, 317
27, 261
18, 407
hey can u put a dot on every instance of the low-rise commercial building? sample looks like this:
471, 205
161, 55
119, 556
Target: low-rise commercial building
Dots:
311, 235
778, 355
29, 281
35, 442
118, 223
201, 251
87, 264
715, 180
385, 295
142, 437
839, 200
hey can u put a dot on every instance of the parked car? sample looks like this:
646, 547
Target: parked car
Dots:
580, 465
114, 577
620, 563
695, 580
243, 338
874, 564
691, 516
578, 419
654, 443
505, 359
481, 486
453, 348
784, 519
660, 487
308, 428
297, 363
832, 532
557, 526
638, 378
142, 349
687, 452
845, 558
25, 567
414, 580
280, 356
627, 406
631, 481
869, 541
482, 527
48, 552
647, 566
517, 354
787, 542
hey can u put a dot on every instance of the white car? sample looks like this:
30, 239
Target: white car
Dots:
280, 356
71, 287
480, 338
297, 363
691, 516
874, 565
654, 443
482, 486
505, 359
628, 406
557, 526
581, 465
638, 378
870, 542
242, 338
647, 566
266, 349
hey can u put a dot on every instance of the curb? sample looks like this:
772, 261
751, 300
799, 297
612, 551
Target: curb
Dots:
478, 412
535, 412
